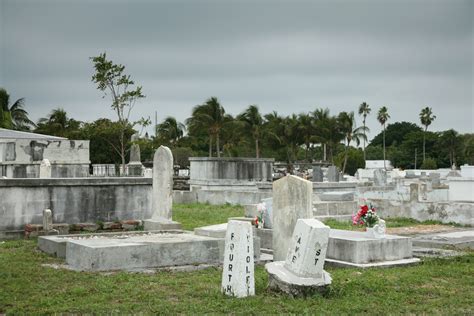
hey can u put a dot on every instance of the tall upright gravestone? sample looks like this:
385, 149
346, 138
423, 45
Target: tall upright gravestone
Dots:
162, 192
238, 277
292, 199
333, 174
318, 175
135, 167
302, 272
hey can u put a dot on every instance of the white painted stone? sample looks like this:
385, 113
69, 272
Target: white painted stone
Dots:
47, 220
380, 229
162, 200
380, 177
238, 278
45, 169
467, 171
308, 248
292, 199
148, 173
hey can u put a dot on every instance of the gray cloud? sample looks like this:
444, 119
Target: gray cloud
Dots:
284, 56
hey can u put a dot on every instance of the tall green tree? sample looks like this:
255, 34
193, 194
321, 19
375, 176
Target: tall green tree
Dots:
351, 132
170, 131
253, 122
364, 110
111, 80
13, 116
58, 124
426, 118
382, 117
210, 116
307, 130
322, 125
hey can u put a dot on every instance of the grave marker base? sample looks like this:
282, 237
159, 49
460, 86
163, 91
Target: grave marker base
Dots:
283, 280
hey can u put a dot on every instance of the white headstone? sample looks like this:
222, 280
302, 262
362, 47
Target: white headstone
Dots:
268, 216
292, 199
333, 174
148, 173
47, 220
162, 200
308, 247
380, 177
135, 154
302, 272
238, 278
45, 169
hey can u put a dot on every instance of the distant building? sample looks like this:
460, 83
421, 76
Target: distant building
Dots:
21, 154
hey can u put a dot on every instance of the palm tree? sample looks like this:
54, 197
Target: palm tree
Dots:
382, 117
14, 116
364, 110
58, 124
210, 116
253, 121
170, 130
307, 129
322, 124
348, 127
426, 118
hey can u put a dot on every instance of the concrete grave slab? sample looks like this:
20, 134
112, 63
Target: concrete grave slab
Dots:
160, 249
460, 239
352, 248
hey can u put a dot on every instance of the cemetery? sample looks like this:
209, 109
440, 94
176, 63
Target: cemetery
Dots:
281, 239
249, 174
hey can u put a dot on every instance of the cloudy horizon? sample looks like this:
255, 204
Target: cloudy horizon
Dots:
291, 57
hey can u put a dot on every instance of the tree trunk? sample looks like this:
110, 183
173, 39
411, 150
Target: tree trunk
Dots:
364, 139
324, 152
384, 166
122, 150
345, 159
424, 142
218, 146
210, 145
256, 148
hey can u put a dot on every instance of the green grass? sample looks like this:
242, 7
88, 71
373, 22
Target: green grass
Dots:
195, 215
436, 286
390, 222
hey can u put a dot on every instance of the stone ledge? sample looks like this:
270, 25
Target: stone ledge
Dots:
382, 264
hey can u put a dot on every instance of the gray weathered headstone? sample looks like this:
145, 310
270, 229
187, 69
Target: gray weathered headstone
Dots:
292, 199
318, 175
238, 278
380, 177
135, 153
135, 167
268, 215
302, 272
45, 169
162, 191
47, 220
332, 174
435, 179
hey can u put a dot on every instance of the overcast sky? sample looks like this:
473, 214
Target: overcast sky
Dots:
288, 56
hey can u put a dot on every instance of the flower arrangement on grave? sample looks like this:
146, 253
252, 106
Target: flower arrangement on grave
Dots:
366, 216
258, 220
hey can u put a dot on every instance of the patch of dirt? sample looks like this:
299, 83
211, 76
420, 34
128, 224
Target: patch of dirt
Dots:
421, 229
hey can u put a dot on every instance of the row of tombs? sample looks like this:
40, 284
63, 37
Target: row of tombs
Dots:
296, 247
